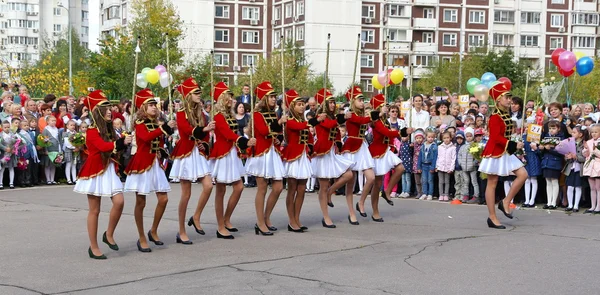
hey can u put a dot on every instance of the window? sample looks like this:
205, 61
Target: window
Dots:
57, 28
427, 37
221, 59
288, 34
300, 8
446, 59
368, 11
529, 41
397, 60
476, 17
288, 10
57, 11
222, 36
503, 40
113, 12
249, 59
367, 85
368, 36
449, 40
84, 15
556, 42
396, 10
222, 11
450, 15
397, 35
277, 13
250, 13
85, 30
424, 60
250, 37
428, 13
367, 60
276, 39
584, 42
585, 19
476, 40
530, 17
84, 2
558, 1
557, 20
504, 16
299, 33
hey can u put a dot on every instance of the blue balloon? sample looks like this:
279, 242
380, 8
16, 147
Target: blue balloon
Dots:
488, 78
584, 65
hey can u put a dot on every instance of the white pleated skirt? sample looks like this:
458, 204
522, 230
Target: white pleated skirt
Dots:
330, 165
153, 180
268, 165
191, 167
386, 163
502, 166
106, 184
300, 168
228, 169
362, 158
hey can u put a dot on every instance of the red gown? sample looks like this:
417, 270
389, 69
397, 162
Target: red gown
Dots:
225, 137
187, 141
500, 130
149, 142
327, 135
381, 138
298, 139
94, 165
266, 129
356, 127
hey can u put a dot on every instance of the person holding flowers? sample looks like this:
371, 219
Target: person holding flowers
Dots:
70, 153
52, 150
574, 168
552, 162
8, 157
591, 168
27, 156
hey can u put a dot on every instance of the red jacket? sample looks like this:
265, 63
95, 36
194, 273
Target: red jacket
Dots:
266, 128
298, 139
500, 130
327, 135
186, 141
381, 138
149, 142
356, 127
226, 137
94, 165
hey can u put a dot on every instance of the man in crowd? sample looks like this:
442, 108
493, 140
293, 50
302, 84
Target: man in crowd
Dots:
245, 97
311, 106
31, 110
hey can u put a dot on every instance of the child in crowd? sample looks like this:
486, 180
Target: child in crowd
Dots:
534, 170
118, 126
310, 185
34, 163
8, 159
480, 121
552, 162
426, 165
405, 153
574, 168
591, 168
469, 121
417, 145
396, 144
28, 156
52, 151
459, 142
468, 173
444, 165
70, 153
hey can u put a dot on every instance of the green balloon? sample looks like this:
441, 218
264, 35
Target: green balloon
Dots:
471, 84
145, 70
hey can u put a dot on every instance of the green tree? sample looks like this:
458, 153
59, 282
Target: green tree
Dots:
199, 68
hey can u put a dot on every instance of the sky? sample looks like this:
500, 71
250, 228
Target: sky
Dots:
94, 23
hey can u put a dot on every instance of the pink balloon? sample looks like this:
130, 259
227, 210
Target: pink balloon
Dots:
382, 78
161, 69
567, 60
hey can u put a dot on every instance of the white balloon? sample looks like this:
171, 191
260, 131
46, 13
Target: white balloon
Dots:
164, 79
141, 80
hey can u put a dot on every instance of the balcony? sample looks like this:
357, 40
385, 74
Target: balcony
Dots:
400, 46
425, 2
429, 24
421, 47
585, 6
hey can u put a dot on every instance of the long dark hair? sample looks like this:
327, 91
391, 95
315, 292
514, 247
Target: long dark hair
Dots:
105, 128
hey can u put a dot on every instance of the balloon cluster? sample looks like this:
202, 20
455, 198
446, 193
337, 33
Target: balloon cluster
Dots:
480, 87
395, 77
568, 62
153, 76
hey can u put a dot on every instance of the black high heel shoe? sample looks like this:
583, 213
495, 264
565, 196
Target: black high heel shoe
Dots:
330, 204
233, 229
111, 246
296, 230
304, 228
264, 233
327, 225
491, 224
151, 239
192, 223
272, 228
385, 197
363, 214
99, 257
220, 236
352, 222
180, 241
501, 208
380, 219
144, 250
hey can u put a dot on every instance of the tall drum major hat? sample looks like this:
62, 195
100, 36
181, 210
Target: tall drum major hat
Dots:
498, 90
95, 99
144, 96
323, 95
220, 88
377, 101
291, 96
188, 86
264, 89
354, 92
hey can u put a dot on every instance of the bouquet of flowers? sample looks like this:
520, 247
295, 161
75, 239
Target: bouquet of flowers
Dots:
22, 164
43, 141
550, 140
592, 156
77, 139
58, 160
17, 147
520, 153
476, 150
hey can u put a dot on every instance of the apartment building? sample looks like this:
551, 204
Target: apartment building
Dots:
25, 24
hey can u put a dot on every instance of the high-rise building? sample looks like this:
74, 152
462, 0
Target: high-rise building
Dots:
26, 26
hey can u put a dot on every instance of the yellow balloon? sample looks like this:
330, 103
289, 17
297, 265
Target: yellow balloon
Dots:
397, 76
579, 55
376, 83
152, 76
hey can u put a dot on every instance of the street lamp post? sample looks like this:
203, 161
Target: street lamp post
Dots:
70, 50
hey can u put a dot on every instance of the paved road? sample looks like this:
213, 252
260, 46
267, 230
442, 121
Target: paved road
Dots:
422, 248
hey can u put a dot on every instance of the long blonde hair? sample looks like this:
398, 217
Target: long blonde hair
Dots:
359, 112
221, 106
292, 111
193, 111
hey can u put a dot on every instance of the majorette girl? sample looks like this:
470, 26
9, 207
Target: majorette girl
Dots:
98, 177
327, 163
498, 156
144, 173
227, 166
265, 162
296, 162
189, 155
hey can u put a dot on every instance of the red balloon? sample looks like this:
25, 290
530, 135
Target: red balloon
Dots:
566, 73
555, 55
506, 82
390, 77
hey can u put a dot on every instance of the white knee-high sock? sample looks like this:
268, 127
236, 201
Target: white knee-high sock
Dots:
68, 171
361, 181
577, 197
597, 199
570, 196
11, 175
555, 191
2, 176
527, 189
549, 191
506, 187
534, 189
47, 173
